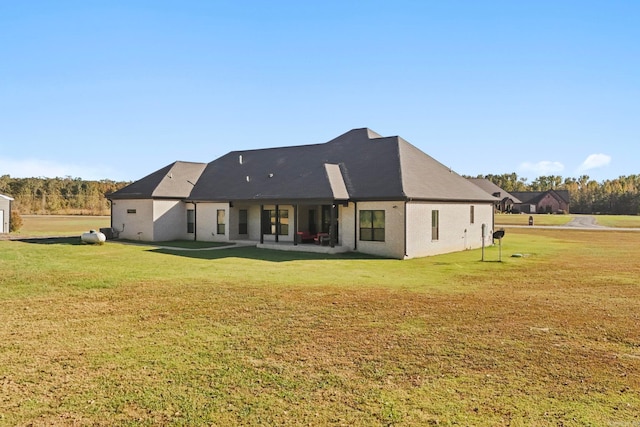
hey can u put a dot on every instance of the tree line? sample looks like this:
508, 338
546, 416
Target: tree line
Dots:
620, 196
59, 196
75, 196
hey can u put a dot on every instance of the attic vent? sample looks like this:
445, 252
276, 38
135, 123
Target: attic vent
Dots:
240, 159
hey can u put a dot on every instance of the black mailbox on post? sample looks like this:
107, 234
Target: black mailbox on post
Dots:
499, 234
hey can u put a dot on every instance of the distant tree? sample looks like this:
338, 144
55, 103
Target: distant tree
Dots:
616, 196
59, 195
16, 221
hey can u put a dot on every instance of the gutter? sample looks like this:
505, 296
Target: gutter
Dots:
405, 229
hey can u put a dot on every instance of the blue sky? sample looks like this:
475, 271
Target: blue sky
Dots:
119, 89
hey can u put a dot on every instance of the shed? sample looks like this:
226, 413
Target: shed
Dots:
5, 213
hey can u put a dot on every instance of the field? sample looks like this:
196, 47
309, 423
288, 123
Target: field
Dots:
617, 221
61, 225
134, 335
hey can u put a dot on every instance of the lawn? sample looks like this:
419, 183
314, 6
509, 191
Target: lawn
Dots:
61, 225
538, 219
616, 221
134, 335
627, 221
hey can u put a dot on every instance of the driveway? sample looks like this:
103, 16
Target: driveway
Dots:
584, 222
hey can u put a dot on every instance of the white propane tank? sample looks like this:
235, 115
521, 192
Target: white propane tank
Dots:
93, 236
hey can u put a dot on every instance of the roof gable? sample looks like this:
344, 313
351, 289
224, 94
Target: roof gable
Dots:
534, 197
175, 180
425, 178
493, 189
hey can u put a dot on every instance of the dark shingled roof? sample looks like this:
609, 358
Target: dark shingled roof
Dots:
492, 188
372, 168
358, 165
174, 181
533, 197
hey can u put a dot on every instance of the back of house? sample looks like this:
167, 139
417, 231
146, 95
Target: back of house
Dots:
359, 192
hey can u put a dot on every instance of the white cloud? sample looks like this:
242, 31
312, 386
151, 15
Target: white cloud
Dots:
595, 161
29, 168
544, 167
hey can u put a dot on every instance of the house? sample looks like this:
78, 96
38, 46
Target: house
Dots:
358, 192
505, 201
550, 201
5, 213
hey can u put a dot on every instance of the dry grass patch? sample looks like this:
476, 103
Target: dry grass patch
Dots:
549, 339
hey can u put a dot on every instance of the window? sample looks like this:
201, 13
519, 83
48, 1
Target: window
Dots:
191, 221
131, 211
372, 226
220, 221
472, 214
243, 227
269, 223
284, 222
435, 225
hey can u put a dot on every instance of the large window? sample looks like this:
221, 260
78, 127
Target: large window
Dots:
372, 226
270, 224
191, 221
220, 221
243, 227
435, 225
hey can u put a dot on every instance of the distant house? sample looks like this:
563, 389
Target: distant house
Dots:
5, 213
505, 202
550, 201
358, 192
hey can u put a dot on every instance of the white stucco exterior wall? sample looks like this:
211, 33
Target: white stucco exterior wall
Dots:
393, 246
206, 222
169, 220
347, 226
456, 232
133, 226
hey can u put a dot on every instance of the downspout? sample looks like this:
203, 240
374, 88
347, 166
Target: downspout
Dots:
277, 223
261, 224
195, 221
405, 229
333, 227
295, 225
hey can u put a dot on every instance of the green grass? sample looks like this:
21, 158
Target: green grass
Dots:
134, 335
619, 221
538, 219
61, 225
616, 221
179, 244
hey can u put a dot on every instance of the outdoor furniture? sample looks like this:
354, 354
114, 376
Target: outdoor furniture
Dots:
321, 239
305, 237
